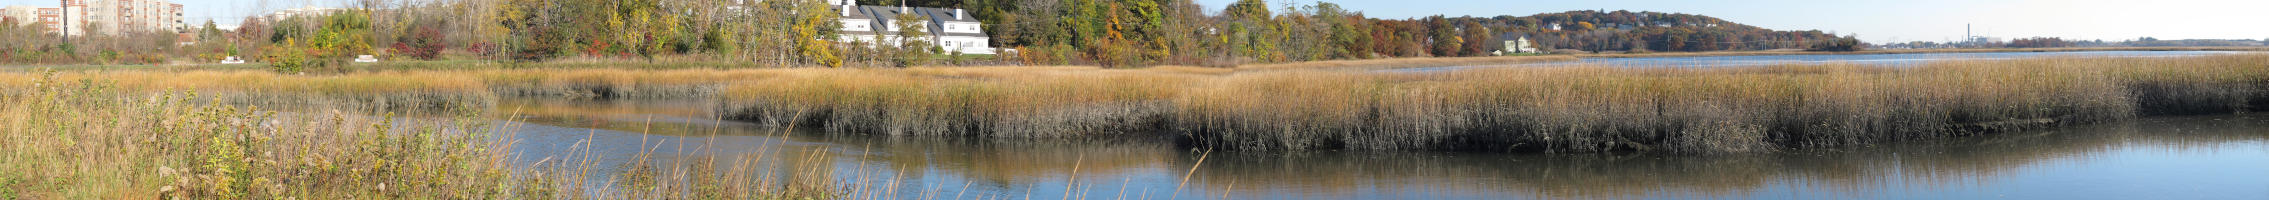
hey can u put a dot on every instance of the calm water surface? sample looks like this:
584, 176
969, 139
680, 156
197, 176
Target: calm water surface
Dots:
2201, 157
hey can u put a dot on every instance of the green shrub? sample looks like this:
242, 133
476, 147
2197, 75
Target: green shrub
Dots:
343, 36
287, 57
1840, 44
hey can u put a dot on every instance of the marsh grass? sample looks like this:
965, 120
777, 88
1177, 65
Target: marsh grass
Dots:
387, 91
1584, 109
991, 103
93, 140
1557, 109
1912, 51
409, 90
612, 83
122, 134
1392, 63
1552, 109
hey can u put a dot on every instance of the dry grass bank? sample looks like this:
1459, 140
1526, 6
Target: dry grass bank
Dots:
1910, 51
436, 87
1702, 110
1560, 109
65, 140
395, 91
407, 90
1568, 109
999, 103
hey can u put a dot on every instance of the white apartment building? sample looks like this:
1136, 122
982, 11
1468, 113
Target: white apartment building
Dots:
49, 18
108, 17
20, 14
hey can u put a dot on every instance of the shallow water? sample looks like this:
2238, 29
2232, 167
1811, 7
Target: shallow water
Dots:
1862, 59
2202, 157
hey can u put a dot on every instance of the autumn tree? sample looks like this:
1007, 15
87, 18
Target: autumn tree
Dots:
535, 27
814, 33
1444, 36
1475, 39
424, 41
210, 32
250, 35
1248, 10
913, 47
645, 27
343, 36
1350, 32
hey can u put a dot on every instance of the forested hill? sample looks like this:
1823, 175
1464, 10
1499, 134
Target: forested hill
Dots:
808, 32
1587, 30
1110, 33
1654, 31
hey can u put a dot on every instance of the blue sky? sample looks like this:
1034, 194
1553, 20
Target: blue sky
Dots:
1873, 20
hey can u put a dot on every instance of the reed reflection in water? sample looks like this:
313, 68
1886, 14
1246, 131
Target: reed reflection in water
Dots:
2209, 157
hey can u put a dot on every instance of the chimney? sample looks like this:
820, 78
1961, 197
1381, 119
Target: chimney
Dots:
846, 10
902, 9
956, 14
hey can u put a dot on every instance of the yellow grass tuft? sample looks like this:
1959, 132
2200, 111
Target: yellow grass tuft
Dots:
93, 140
1293, 106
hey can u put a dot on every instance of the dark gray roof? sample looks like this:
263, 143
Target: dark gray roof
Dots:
883, 15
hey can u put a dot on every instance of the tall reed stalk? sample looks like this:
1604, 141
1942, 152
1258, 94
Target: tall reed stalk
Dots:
1555, 109
1604, 108
93, 140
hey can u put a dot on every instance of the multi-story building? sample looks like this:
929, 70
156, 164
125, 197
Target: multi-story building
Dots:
112, 17
19, 14
950, 29
49, 18
108, 17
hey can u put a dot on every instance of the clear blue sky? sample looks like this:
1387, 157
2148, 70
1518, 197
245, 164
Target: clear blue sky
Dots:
1873, 20
1885, 20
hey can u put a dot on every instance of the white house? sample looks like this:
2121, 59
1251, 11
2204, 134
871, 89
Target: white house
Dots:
1521, 45
950, 29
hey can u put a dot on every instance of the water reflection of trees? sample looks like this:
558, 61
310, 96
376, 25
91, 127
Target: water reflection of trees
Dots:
1825, 173
1013, 166
1012, 162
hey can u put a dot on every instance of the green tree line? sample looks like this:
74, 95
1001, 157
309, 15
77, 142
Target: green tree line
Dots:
1028, 32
